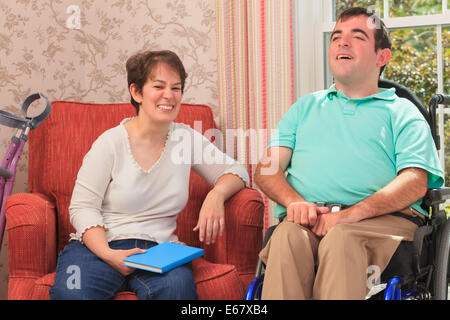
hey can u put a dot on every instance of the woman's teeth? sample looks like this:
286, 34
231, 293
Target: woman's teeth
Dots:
165, 107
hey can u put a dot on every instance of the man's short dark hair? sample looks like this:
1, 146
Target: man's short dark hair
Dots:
141, 65
382, 39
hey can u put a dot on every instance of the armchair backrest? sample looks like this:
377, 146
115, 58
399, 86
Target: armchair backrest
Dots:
57, 148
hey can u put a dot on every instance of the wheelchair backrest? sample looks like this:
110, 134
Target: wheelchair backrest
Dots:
404, 92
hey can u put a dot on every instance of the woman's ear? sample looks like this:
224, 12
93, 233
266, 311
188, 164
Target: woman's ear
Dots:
135, 93
384, 55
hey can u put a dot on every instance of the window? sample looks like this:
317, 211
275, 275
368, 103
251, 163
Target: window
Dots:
420, 32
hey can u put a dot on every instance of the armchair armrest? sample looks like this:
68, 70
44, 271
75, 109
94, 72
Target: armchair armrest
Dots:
31, 229
436, 196
242, 239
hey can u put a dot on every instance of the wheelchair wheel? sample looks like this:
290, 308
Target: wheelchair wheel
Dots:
255, 289
442, 264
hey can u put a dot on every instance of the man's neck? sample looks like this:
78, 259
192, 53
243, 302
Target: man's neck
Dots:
357, 91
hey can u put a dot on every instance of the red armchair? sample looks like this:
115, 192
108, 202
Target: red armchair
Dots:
38, 224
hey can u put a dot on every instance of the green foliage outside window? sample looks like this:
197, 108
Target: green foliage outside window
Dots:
397, 8
402, 8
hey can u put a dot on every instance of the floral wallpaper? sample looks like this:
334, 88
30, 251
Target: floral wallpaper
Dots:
76, 50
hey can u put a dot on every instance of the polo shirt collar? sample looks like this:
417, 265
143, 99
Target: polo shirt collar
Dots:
383, 94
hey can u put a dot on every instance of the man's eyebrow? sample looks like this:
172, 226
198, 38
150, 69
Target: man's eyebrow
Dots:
356, 30
335, 32
361, 31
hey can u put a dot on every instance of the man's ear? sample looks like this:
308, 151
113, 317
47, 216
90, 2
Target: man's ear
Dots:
384, 55
135, 93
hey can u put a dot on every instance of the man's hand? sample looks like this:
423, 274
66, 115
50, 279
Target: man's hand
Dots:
325, 222
304, 213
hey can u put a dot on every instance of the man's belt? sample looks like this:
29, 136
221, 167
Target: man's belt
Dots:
420, 222
334, 207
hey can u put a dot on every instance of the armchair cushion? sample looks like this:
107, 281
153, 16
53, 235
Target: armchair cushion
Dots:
213, 281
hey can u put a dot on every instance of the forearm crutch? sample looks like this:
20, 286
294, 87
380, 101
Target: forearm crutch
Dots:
10, 160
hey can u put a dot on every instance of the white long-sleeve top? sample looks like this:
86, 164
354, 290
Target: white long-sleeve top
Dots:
114, 192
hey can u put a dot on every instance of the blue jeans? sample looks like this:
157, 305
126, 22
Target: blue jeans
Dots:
81, 275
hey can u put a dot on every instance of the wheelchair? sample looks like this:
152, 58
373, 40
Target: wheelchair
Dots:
419, 269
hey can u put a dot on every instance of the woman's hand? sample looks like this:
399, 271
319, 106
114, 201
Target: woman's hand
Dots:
115, 259
95, 239
211, 221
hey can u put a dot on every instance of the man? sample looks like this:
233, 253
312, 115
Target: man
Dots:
356, 145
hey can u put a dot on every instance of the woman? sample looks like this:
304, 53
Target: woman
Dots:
129, 192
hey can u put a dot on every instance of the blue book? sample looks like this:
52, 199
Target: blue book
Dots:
163, 257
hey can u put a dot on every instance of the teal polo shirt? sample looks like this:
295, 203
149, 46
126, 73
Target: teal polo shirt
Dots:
344, 150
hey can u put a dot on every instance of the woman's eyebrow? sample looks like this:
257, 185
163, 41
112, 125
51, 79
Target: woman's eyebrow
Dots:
162, 81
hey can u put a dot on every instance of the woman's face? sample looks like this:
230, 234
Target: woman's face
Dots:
160, 99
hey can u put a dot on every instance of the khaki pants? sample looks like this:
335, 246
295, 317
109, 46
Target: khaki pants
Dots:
300, 265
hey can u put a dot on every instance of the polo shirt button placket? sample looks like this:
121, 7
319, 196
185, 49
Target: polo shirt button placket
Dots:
349, 107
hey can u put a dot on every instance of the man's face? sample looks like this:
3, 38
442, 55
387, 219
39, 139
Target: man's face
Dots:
351, 56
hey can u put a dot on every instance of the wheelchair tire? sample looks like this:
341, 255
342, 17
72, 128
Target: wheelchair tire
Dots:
442, 265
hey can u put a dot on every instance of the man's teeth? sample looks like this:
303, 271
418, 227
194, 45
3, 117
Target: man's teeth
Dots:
165, 107
343, 56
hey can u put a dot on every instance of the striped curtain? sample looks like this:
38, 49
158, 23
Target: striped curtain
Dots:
255, 65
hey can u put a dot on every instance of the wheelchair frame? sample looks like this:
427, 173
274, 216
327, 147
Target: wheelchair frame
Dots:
10, 160
429, 280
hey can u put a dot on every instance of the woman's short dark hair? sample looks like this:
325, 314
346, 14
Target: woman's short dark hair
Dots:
382, 39
140, 66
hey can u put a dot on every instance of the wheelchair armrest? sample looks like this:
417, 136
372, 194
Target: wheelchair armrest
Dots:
436, 196
418, 242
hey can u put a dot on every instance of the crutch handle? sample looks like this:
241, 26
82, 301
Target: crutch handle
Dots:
13, 121
36, 121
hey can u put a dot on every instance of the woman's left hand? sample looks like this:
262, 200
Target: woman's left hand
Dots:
211, 221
